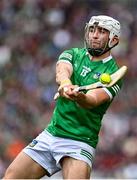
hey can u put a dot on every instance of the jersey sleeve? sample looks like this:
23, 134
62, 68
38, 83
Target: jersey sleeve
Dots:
66, 56
114, 90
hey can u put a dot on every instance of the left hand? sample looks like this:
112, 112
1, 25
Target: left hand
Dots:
67, 91
74, 95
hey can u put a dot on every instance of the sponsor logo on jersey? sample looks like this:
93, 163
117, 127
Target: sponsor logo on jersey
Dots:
33, 143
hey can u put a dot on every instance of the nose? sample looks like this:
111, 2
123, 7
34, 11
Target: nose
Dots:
95, 33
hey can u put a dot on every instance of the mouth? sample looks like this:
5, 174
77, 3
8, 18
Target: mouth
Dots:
95, 44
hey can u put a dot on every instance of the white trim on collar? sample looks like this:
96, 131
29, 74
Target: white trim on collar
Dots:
107, 59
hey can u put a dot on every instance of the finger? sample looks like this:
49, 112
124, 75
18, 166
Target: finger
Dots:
56, 96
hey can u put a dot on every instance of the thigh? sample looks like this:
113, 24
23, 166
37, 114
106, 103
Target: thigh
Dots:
75, 149
75, 169
23, 167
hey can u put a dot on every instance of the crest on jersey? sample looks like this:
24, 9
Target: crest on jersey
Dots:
96, 75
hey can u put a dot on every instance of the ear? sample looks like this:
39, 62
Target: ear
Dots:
114, 41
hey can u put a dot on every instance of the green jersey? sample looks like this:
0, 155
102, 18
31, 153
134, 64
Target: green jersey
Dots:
69, 120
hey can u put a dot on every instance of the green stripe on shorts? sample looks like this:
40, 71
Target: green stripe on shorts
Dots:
86, 154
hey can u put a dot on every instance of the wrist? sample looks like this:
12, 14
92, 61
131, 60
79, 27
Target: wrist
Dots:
65, 82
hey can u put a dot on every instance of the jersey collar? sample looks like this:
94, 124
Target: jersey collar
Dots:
107, 59
103, 60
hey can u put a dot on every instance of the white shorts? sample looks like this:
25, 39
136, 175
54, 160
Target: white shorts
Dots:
47, 150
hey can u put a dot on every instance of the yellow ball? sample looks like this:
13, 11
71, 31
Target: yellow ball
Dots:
105, 78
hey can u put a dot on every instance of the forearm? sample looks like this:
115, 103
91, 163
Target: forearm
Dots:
63, 72
86, 101
92, 98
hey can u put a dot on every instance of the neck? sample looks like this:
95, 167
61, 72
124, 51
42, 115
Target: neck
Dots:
98, 58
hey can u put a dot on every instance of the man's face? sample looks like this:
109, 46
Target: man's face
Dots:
98, 37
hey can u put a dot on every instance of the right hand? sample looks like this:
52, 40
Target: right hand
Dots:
66, 90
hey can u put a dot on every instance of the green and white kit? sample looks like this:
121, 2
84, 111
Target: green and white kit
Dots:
71, 121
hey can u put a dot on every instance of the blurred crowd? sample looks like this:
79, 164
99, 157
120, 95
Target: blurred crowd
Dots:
32, 35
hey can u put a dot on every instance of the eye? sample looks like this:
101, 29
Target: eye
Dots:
91, 29
103, 30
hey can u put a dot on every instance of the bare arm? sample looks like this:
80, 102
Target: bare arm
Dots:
63, 72
91, 99
63, 75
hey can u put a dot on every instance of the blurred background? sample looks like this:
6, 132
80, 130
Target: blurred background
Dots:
32, 35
